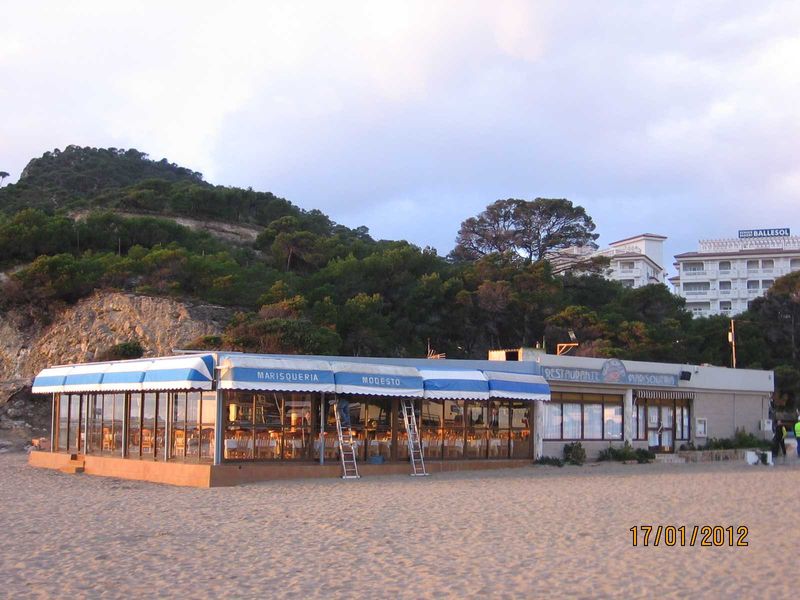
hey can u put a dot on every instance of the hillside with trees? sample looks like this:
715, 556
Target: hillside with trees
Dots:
87, 219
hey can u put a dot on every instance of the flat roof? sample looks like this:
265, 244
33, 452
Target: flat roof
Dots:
734, 253
653, 374
653, 236
635, 255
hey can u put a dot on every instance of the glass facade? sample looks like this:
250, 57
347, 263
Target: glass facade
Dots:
268, 426
258, 426
154, 425
285, 427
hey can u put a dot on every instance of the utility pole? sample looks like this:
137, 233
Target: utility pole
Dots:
732, 341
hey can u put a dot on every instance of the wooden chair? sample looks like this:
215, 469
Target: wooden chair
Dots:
147, 441
179, 442
108, 439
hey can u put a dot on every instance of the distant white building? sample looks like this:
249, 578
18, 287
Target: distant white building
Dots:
725, 276
635, 261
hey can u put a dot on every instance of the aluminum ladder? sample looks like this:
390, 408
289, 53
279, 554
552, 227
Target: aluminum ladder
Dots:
347, 451
414, 445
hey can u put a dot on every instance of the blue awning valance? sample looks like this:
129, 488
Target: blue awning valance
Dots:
517, 386
275, 374
192, 372
451, 384
376, 379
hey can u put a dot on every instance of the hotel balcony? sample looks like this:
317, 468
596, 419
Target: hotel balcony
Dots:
693, 273
698, 293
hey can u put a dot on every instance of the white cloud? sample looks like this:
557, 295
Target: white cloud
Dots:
370, 110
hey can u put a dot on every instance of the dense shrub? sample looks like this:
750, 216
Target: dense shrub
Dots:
123, 351
618, 454
552, 461
574, 453
741, 439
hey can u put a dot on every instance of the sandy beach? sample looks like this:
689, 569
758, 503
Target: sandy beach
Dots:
530, 532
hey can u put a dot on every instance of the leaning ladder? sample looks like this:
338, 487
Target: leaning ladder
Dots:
414, 446
347, 451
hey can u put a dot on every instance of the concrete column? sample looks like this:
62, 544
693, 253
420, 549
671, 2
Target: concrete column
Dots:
538, 428
627, 417
219, 429
53, 423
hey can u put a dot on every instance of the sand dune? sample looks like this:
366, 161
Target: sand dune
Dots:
530, 532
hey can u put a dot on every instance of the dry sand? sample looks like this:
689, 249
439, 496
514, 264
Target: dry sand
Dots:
532, 532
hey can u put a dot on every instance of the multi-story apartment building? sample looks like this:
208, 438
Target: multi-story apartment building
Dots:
635, 261
725, 276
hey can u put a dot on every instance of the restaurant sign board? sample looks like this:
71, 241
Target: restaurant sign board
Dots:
613, 371
764, 233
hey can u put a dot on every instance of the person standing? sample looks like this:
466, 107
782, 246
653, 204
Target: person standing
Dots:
779, 440
797, 437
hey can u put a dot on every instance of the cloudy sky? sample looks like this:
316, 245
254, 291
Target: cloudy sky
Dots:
678, 118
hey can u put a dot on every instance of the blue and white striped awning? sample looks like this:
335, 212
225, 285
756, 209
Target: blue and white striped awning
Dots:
451, 384
376, 379
276, 374
517, 386
192, 372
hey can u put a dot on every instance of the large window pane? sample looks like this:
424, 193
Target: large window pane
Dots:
453, 438
497, 432
520, 415
63, 421
209, 420
297, 426
193, 423
95, 408
686, 422
149, 426
134, 425
178, 425
116, 425
552, 421
75, 440
432, 428
268, 426
477, 419
431, 443
593, 421
612, 419
520, 444
642, 423
107, 420
379, 428
242, 411
572, 421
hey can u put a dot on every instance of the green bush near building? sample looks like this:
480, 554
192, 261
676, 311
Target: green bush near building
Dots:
741, 439
626, 453
574, 453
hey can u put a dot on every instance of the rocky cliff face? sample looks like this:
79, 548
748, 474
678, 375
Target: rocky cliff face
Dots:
80, 333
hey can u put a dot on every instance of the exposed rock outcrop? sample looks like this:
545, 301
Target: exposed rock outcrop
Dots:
80, 333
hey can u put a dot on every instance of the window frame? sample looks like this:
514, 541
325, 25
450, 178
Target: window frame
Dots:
583, 399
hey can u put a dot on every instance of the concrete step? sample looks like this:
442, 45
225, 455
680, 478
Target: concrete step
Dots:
670, 459
75, 465
72, 469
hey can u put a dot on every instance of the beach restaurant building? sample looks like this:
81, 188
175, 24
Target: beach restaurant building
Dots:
208, 419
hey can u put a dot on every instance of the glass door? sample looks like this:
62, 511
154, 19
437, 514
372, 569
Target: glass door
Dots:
660, 428
667, 428
653, 428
